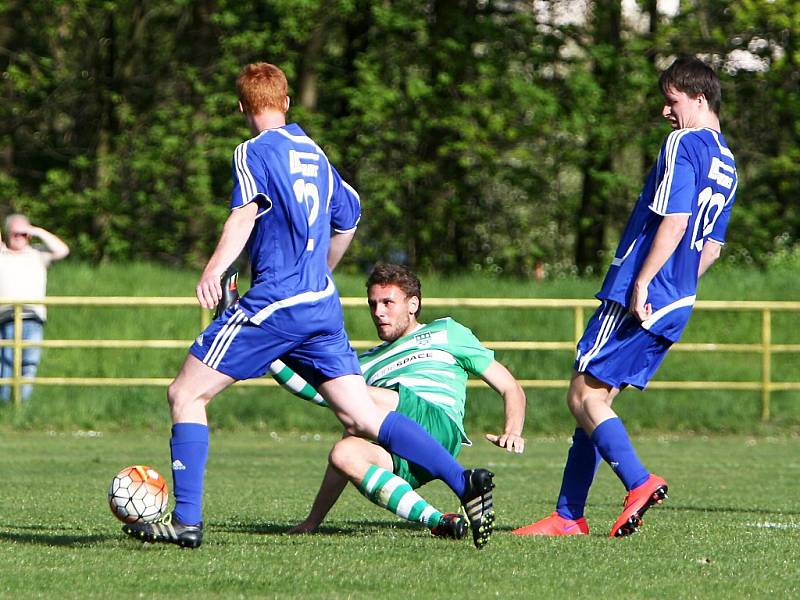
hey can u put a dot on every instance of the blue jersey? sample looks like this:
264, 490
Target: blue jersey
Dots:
695, 175
300, 198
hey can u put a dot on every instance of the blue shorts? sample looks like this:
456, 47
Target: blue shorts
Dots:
233, 345
616, 349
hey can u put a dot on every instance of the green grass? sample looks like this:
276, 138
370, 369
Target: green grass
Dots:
730, 529
66, 408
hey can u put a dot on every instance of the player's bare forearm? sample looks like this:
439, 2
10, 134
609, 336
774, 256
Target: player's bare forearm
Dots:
669, 235
332, 486
234, 236
708, 256
55, 245
340, 242
504, 383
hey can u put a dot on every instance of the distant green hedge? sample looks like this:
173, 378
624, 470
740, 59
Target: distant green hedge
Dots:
268, 409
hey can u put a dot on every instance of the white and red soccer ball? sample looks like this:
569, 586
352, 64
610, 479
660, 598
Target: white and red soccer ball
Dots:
138, 494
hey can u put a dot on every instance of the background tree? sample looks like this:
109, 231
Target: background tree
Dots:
503, 136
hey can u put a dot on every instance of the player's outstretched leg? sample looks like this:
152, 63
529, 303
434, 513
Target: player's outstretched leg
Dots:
639, 499
478, 504
167, 530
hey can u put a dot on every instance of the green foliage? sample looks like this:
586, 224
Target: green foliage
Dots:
729, 529
482, 135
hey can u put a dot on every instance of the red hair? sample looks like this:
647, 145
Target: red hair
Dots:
262, 86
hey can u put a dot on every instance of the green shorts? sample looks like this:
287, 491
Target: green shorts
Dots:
433, 420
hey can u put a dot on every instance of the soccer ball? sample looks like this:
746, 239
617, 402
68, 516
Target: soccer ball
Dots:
138, 494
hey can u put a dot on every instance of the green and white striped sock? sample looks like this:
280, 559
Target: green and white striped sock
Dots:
395, 494
293, 383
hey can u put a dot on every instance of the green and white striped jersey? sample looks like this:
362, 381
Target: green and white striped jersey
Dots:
434, 362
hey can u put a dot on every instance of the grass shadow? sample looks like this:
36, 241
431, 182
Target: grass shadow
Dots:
347, 528
39, 536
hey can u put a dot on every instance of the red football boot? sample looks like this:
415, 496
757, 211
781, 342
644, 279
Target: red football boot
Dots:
555, 524
638, 500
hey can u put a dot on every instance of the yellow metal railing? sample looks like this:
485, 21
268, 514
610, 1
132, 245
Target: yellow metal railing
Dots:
765, 348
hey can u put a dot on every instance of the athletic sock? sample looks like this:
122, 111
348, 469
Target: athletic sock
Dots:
189, 446
294, 383
402, 436
582, 462
395, 494
616, 449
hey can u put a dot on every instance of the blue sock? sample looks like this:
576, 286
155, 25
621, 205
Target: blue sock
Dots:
616, 449
189, 446
402, 436
582, 462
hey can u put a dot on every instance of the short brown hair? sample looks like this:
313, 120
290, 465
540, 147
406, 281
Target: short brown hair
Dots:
262, 86
402, 277
693, 77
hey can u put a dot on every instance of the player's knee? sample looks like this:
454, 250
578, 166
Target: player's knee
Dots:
575, 400
361, 425
341, 456
178, 396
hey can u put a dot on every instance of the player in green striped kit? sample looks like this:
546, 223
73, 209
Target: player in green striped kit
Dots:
420, 370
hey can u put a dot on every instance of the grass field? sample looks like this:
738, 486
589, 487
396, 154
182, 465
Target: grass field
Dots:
731, 528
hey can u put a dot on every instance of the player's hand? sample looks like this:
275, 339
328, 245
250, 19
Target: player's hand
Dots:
639, 306
510, 441
304, 527
209, 290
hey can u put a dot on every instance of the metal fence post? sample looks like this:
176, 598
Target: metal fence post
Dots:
16, 383
578, 332
766, 361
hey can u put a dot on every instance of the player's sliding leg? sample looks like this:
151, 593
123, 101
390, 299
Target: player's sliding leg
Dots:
407, 439
294, 384
394, 494
370, 468
188, 395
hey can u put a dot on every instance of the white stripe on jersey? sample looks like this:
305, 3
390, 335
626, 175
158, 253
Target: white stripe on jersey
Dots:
411, 382
437, 399
303, 298
247, 182
618, 261
722, 149
221, 337
661, 199
352, 191
680, 303
420, 355
330, 188
298, 139
612, 315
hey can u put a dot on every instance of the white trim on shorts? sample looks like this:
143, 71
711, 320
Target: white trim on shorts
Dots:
223, 339
612, 316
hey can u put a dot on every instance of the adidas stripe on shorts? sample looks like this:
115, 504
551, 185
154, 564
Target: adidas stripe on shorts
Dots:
234, 345
616, 350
